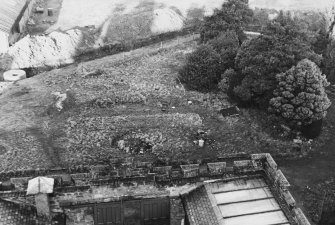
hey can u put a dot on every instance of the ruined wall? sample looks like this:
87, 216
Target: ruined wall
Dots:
280, 187
24, 19
177, 213
139, 180
80, 216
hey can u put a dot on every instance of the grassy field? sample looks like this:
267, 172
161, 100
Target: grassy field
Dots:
114, 109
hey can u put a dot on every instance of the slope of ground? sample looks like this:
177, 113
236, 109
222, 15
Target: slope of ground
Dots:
122, 105
90, 25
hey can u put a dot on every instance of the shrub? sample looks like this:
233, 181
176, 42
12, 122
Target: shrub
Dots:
300, 95
202, 70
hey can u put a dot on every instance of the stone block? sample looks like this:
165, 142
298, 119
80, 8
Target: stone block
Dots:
99, 168
191, 173
176, 174
80, 216
281, 180
162, 169
258, 156
42, 204
20, 182
189, 167
162, 177
203, 170
80, 176
270, 171
243, 166
217, 168
177, 213
271, 161
229, 169
288, 199
300, 217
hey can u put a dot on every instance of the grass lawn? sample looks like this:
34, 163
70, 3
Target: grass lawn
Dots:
118, 113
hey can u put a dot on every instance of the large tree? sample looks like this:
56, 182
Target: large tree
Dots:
300, 95
234, 15
202, 70
281, 46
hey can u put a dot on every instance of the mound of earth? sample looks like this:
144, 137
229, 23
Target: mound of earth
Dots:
166, 20
52, 50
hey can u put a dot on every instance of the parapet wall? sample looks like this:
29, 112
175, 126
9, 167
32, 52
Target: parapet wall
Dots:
130, 172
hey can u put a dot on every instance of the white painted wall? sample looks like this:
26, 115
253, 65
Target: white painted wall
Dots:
3, 42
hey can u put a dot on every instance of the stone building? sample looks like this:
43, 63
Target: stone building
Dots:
14, 15
241, 189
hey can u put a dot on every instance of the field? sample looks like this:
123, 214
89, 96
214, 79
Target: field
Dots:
129, 104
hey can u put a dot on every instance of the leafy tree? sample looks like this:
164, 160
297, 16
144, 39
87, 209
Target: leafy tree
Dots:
300, 95
226, 45
202, 70
234, 15
226, 79
281, 46
329, 61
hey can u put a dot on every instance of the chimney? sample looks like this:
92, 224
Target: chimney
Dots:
42, 205
41, 187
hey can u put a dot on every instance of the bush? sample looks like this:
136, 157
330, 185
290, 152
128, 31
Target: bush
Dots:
300, 95
203, 69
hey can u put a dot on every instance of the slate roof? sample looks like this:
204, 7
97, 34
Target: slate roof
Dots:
15, 214
9, 12
199, 209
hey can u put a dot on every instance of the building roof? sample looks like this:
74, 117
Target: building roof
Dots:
245, 201
11, 213
9, 12
240, 201
199, 209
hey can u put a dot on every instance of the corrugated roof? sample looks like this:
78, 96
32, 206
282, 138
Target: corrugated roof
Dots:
9, 11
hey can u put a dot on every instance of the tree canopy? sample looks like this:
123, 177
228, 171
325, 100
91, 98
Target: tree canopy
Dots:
234, 15
300, 95
280, 47
202, 70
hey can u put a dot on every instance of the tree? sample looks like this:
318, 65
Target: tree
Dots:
227, 78
281, 46
202, 70
300, 95
226, 45
234, 15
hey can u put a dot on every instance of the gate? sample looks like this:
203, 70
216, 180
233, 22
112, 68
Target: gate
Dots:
108, 214
137, 212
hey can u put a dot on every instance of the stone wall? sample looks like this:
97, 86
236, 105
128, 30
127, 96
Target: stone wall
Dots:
80, 216
177, 213
132, 175
280, 187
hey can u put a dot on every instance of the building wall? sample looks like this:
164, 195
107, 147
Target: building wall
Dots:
80, 216
85, 215
3, 42
177, 213
25, 17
